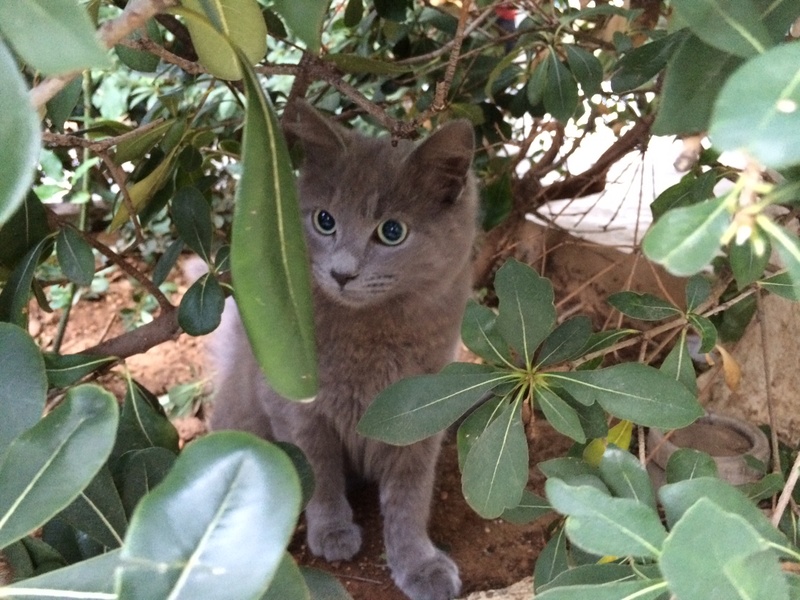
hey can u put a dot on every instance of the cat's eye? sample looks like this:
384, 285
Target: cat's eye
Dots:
324, 222
392, 232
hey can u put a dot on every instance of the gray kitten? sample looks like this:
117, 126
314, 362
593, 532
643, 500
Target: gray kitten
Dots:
390, 230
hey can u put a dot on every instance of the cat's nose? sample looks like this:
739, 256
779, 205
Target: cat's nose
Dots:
343, 278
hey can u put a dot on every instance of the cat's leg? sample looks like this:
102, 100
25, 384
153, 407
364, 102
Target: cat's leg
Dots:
420, 569
332, 533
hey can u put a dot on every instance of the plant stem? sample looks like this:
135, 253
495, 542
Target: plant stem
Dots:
786, 494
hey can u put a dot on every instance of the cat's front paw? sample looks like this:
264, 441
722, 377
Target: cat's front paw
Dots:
335, 541
435, 578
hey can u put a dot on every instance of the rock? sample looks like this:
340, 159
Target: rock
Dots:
522, 590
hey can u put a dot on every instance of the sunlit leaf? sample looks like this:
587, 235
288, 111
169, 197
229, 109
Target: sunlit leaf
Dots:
268, 255
733, 26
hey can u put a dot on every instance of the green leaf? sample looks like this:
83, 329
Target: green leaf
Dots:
192, 217
703, 557
75, 256
526, 311
689, 190
626, 477
167, 262
537, 83
138, 143
323, 585
552, 560
393, 10
480, 335
269, 261
698, 290
46, 467
566, 468
26, 227
353, 13
220, 28
586, 68
759, 108
496, 469
353, 63
64, 370
138, 472
733, 26
678, 364
417, 407
693, 78
566, 341
141, 60
749, 260
768, 486
559, 414
688, 463
91, 577
23, 383
686, 239
229, 495
787, 245
19, 128
596, 574
288, 582
604, 525
473, 426
17, 290
781, 285
497, 200
645, 307
604, 339
640, 65
142, 423
561, 94
530, 508
304, 18
706, 330
635, 392
40, 30
200, 311
616, 590
60, 106
677, 498
305, 472
98, 511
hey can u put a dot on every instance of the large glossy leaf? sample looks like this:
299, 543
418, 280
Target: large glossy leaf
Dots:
98, 511
645, 307
269, 260
604, 525
142, 424
768, 87
626, 477
496, 469
711, 553
635, 392
49, 465
230, 495
215, 25
304, 18
526, 313
559, 414
694, 76
75, 256
677, 498
685, 240
89, 579
200, 311
40, 30
19, 130
733, 26
23, 383
64, 370
415, 408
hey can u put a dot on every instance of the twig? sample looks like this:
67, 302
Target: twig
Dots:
148, 45
57, 140
134, 16
786, 494
443, 87
161, 329
765, 355
121, 179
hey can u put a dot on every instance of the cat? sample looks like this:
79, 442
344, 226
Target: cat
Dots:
390, 229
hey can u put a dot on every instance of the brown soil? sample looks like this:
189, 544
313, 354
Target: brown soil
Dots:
490, 554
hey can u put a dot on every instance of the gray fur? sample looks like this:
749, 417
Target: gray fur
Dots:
397, 314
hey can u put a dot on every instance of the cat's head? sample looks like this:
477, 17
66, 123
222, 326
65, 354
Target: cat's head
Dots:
383, 220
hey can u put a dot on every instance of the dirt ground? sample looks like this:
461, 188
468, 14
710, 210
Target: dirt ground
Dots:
490, 554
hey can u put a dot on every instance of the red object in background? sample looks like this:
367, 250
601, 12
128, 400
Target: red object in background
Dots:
506, 12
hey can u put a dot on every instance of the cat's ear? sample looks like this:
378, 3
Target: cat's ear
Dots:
442, 162
321, 139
